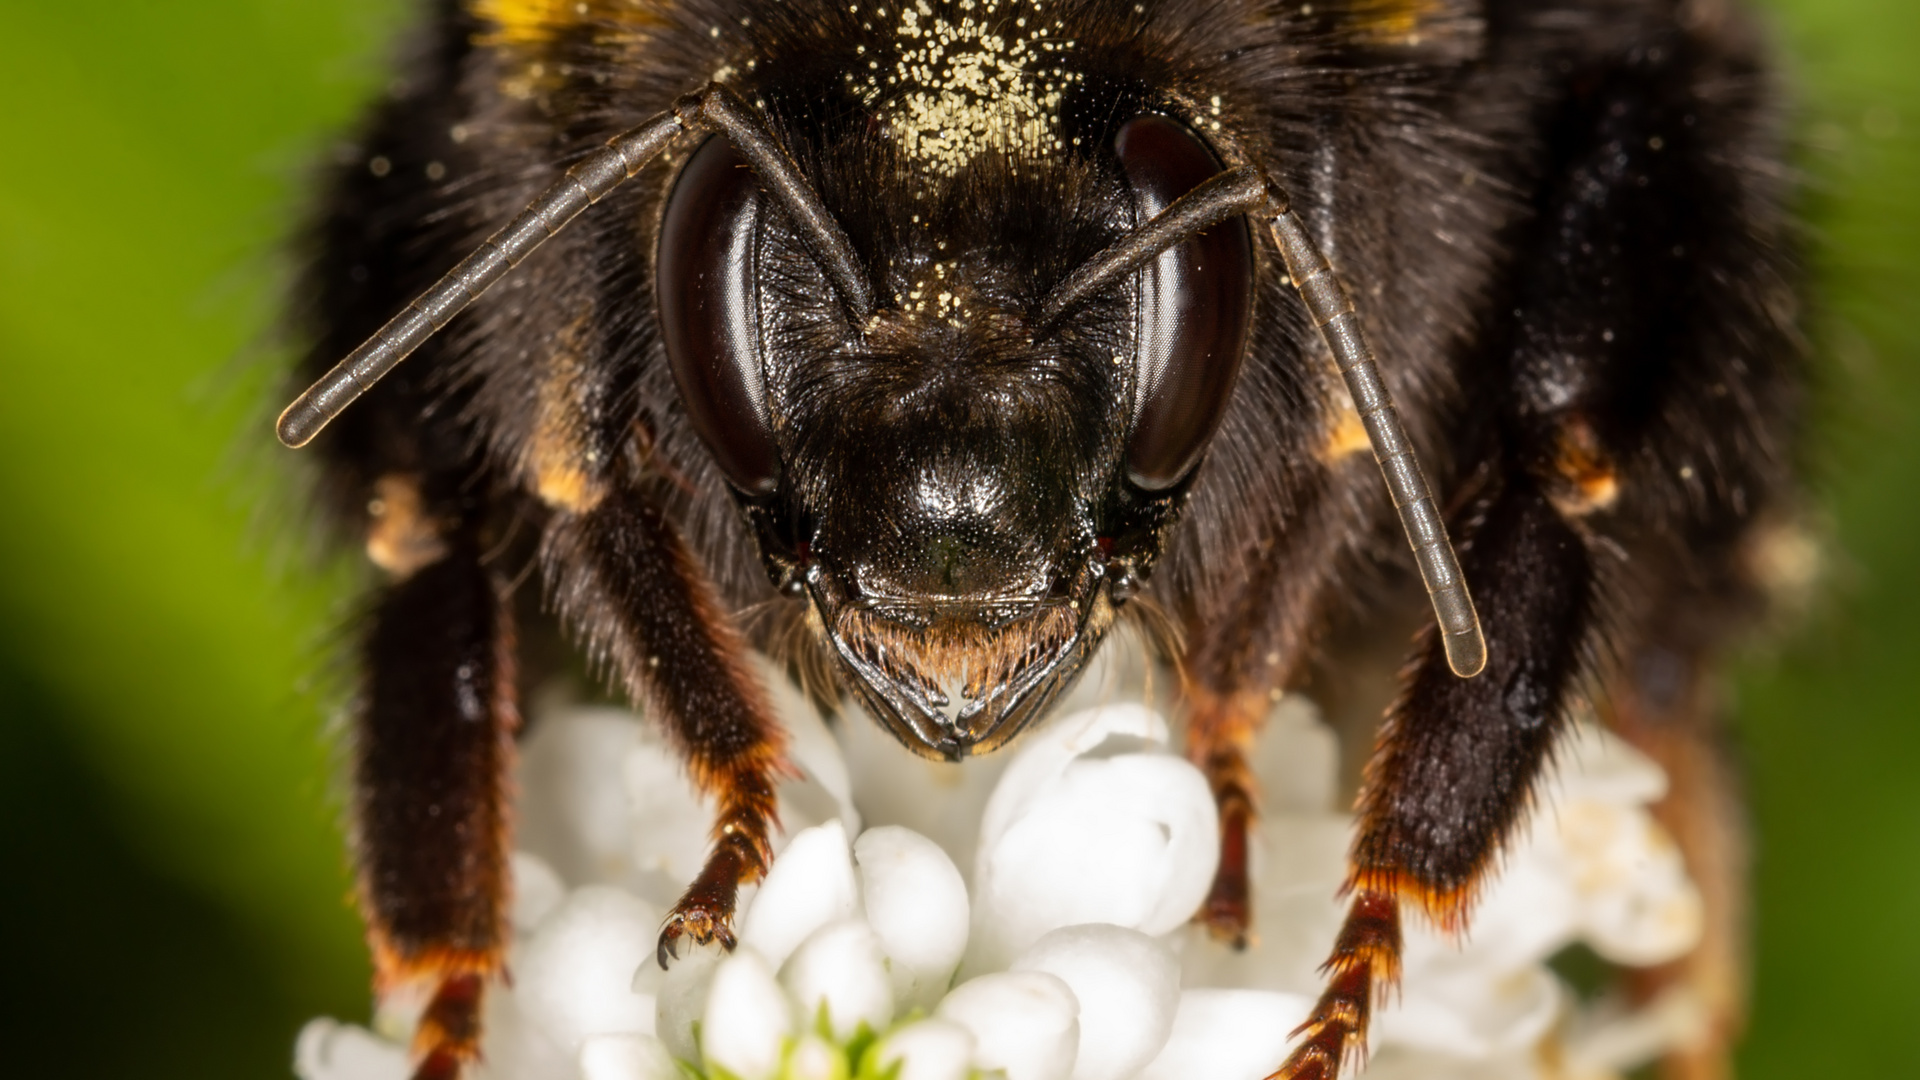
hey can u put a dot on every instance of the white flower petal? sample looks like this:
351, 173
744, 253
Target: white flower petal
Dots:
917, 902
667, 821
1299, 861
1529, 912
825, 791
516, 1047
1047, 752
626, 1057
1612, 1039
574, 977
1228, 1035
747, 1019
1297, 759
814, 1058
1475, 1013
811, 884
1023, 1022
682, 997
931, 1049
1636, 904
330, 1050
1395, 1063
841, 970
1128, 987
1596, 764
573, 810
537, 890
1130, 840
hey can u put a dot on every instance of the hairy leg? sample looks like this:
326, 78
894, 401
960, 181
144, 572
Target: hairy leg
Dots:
1241, 651
625, 581
1642, 406
1456, 762
432, 752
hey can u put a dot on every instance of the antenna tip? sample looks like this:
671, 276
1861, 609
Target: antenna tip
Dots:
296, 426
1466, 652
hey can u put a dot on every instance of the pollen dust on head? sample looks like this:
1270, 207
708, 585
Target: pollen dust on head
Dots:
969, 77
938, 293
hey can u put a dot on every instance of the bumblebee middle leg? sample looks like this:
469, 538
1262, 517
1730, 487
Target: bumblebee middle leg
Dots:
433, 749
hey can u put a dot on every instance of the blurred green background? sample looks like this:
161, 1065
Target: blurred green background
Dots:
172, 888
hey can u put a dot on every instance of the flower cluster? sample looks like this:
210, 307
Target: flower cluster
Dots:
1066, 952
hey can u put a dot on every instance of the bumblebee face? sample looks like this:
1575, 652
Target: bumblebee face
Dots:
965, 589
959, 481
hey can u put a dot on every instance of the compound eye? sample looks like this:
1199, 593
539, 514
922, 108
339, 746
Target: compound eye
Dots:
1196, 300
709, 312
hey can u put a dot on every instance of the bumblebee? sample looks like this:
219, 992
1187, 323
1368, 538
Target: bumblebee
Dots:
953, 332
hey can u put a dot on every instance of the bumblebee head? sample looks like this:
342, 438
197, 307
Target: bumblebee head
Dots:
961, 414
968, 476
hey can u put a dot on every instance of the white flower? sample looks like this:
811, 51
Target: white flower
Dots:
838, 978
747, 1018
1092, 823
1064, 956
574, 975
814, 1058
682, 999
1127, 985
1228, 1035
929, 1050
916, 902
1024, 1023
626, 1057
811, 884
329, 1049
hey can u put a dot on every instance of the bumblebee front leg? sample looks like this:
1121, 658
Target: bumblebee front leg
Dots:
625, 581
433, 746
1456, 761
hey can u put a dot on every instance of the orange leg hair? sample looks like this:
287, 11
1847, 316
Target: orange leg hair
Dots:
433, 750
624, 579
1455, 763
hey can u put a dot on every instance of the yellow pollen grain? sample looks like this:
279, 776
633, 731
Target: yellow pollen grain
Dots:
971, 84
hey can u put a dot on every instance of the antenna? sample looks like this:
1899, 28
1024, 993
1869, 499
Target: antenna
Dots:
1332, 311
1244, 191
714, 107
